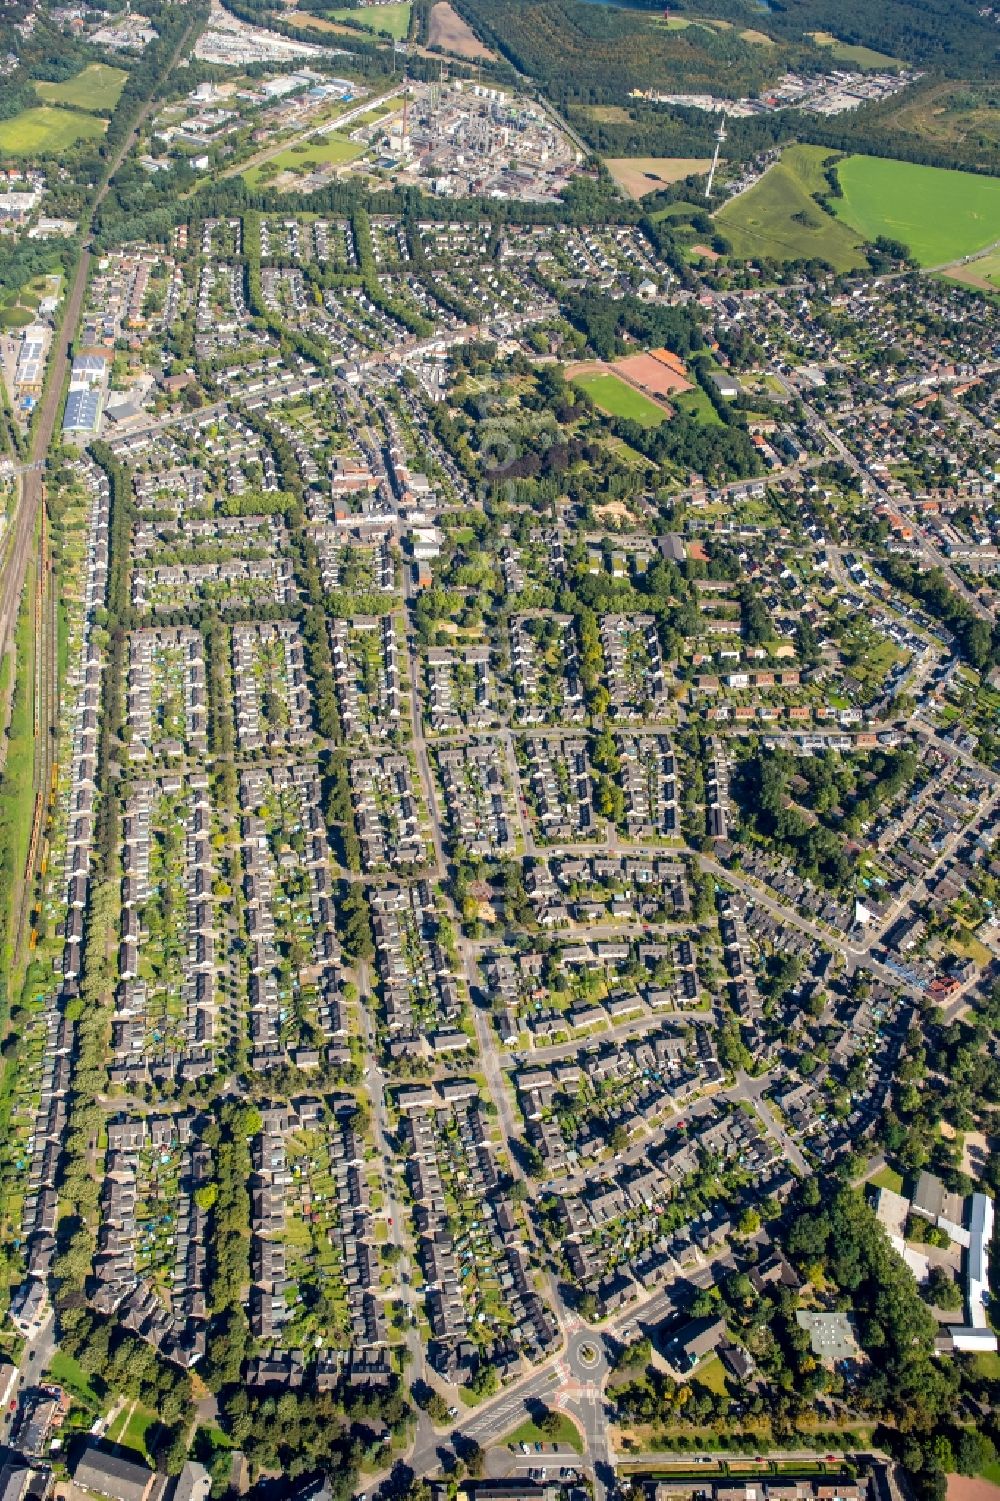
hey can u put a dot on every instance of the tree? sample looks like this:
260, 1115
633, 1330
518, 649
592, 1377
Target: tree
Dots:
437, 1408
973, 1452
550, 1423
485, 1382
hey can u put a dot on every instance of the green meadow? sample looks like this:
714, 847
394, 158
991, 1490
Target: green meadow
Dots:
393, 18
46, 131
779, 219
96, 87
940, 214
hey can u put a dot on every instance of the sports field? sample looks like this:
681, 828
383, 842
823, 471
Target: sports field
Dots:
95, 87
45, 130
659, 377
938, 213
618, 399
778, 217
330, 150
393, 18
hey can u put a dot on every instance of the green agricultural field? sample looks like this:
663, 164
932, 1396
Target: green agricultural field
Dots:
779, 218
618, 399
328, 150
45, 131
393, 18
96, 87
940, 214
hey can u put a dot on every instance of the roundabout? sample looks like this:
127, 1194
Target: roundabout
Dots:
585, 1357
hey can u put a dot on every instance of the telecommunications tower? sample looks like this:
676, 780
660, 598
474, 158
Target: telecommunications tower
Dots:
720, 137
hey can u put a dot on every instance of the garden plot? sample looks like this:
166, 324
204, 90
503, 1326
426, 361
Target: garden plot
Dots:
166, 1001
545, 668
423, 1004
461, 691
167, 704
286, 240
269, 581
406, 288
591, 985
596, 888
193, 483
210, 539
357, 325
333, 244
150, 1269
389, 815
222, 238
591, 1106
633, 666
472, 1241
496, 293
637, 1224
477, 794
454, 244
273, 705
314, 1258
649, 780
289, 913
389, 243
368, 675
559, 781
31, 1147
355, 567
284, 291
222, 319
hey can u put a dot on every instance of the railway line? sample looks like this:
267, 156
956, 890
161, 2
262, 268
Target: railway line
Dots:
20, 549
45, 715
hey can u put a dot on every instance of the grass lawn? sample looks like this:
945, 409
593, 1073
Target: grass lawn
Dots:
134, 1432
938, 213
529, 1433
780, 219
991, 1472
711, 1374
618, 399
142, 1432
96, 87
393, 18
697, 404
322, 151
887, 1177
67, 1372
16, 315
44, 130
987, 1366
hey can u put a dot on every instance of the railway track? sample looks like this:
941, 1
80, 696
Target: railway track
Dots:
45, 711
14, 566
